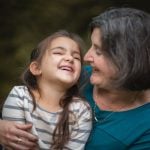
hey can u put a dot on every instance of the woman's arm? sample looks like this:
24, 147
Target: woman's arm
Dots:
10, 132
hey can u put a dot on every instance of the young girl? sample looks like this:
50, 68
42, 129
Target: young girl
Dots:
50, 98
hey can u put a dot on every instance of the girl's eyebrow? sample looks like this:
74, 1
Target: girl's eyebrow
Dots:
64, 49
59, 47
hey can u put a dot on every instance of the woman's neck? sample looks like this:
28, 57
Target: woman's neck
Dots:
117, 100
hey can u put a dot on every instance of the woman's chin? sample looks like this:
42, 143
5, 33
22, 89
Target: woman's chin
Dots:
94, 81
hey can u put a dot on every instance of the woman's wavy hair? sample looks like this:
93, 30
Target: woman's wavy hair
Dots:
126, 43
61, 133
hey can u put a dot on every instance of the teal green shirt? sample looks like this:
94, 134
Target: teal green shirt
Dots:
126, 130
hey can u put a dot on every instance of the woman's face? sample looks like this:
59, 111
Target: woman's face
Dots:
102, 69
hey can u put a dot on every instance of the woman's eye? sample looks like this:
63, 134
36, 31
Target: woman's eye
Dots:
98, 51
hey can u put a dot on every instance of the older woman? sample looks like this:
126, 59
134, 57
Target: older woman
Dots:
120, 74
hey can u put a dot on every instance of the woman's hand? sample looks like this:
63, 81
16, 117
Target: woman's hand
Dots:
16, 136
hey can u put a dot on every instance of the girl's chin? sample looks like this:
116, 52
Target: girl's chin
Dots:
67, 82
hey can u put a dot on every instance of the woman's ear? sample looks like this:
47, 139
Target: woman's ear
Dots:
35, 68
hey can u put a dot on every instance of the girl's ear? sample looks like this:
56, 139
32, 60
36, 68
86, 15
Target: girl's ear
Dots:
35, 68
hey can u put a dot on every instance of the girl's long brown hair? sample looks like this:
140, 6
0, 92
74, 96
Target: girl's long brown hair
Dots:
61, 133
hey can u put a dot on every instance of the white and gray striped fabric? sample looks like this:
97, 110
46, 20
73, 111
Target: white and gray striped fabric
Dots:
18, 107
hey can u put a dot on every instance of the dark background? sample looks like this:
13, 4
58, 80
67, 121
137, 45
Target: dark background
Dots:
23, 23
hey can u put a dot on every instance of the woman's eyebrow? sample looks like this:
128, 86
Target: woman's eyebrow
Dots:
97, 46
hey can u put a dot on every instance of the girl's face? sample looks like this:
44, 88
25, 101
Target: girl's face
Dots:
61, 62
102, 69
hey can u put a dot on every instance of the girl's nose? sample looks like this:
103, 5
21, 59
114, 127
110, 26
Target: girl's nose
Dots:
69, 58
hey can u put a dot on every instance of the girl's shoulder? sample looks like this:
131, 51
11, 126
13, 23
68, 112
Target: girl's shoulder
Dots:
79, 102
80, 107
20, 88
20, 91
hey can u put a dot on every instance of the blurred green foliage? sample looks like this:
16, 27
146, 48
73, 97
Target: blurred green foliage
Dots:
23, 23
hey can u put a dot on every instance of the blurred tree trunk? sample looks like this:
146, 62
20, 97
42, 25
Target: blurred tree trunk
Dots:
24, 23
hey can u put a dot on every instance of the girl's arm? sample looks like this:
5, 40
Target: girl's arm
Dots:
81, 129
12, 130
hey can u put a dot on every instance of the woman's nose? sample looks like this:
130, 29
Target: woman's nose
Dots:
88, 57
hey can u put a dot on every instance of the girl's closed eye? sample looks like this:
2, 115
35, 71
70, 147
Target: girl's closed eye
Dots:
58, 52
77, 57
